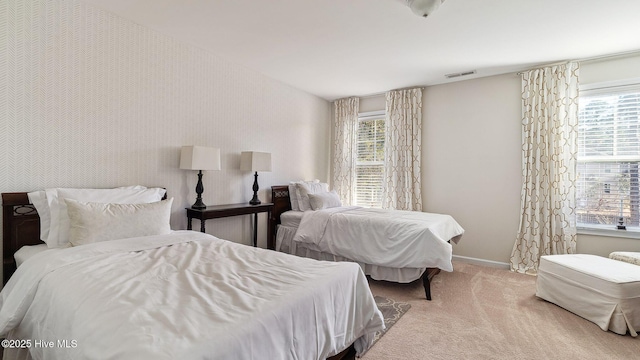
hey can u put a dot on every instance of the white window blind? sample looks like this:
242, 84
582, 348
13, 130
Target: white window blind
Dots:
370, 160
608, 157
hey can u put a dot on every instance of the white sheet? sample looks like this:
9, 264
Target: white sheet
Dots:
187, 295
391, 238
28, 251
291, 218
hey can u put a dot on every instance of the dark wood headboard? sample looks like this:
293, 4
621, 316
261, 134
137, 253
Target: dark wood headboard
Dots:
20, 227
281, 203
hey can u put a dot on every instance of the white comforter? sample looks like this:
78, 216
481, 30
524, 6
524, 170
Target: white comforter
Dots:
391, 238
186, 295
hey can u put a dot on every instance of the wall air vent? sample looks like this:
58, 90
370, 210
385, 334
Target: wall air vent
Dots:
455, 75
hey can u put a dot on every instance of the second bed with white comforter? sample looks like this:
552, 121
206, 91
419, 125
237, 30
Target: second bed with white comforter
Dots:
390, 245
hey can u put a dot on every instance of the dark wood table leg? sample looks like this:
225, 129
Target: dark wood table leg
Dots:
255, 230
189, 223
271, 244
202, 225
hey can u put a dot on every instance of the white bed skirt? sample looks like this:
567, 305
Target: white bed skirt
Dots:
285, 243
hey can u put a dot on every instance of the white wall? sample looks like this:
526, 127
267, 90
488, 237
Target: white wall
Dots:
372, 103
471, 160
88, 99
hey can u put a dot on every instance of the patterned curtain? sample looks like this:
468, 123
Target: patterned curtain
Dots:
402, 147
549, 151
344, 148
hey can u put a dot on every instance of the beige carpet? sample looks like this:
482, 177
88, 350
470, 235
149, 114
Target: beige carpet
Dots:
481, 312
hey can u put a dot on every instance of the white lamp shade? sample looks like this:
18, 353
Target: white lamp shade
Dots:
255, 161
199, 158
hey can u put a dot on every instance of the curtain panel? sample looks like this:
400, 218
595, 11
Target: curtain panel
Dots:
549, 159
344, 148
403, 146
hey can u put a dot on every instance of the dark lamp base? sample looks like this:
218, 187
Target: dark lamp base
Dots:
198, 206
199, 190
255, 200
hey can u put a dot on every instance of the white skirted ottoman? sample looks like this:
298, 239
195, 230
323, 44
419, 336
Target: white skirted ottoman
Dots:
599, 289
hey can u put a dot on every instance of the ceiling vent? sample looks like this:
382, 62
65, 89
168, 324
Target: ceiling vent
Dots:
455, 75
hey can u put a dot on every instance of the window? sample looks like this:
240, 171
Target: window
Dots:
608, 157
370, 159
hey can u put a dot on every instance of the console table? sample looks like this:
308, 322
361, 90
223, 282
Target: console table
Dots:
221, 211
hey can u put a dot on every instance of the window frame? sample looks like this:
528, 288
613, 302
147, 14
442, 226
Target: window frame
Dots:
608, 87
368, 116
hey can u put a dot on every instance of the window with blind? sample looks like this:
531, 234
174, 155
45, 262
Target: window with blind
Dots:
608, 156
370, 159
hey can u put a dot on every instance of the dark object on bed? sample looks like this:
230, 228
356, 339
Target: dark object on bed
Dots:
282, 203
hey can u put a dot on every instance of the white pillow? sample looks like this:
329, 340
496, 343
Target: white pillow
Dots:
39, 201
304, 189
95, 222
293, 197
324, 200
293, 193
59, 230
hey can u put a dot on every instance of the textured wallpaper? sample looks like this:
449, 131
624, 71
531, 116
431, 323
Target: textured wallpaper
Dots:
89, 99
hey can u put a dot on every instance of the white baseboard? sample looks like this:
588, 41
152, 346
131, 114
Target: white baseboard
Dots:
482, 262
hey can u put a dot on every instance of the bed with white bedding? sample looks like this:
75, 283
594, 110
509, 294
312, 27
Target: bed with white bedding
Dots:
182, 294
391, 245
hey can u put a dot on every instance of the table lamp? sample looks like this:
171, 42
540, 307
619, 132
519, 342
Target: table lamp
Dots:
255, 161
199, 158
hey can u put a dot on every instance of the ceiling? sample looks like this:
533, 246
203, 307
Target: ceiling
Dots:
339, 48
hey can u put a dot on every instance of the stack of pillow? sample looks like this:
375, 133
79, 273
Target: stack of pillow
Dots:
312, 195
71, 217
